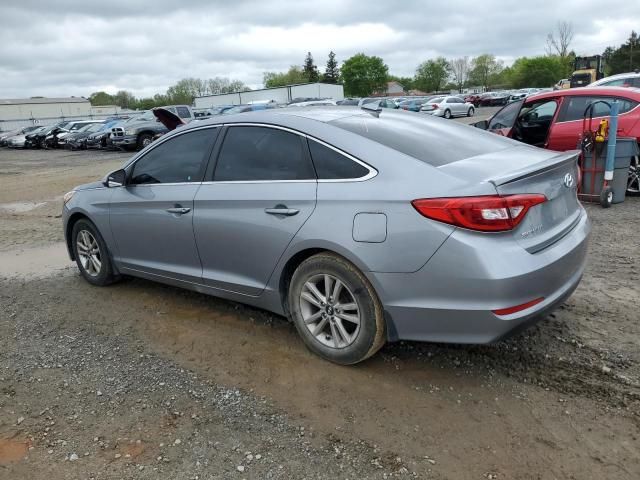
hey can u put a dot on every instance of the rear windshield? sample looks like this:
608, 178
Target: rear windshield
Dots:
430, 140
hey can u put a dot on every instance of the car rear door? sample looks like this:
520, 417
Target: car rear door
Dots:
151, 216
262, 189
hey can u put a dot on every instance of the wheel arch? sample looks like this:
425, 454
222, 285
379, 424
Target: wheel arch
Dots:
73, 219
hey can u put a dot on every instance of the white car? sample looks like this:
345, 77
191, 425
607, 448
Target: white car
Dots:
448, 107
631, 79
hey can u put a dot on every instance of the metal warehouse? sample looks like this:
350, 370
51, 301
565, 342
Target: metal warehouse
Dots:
35, 108
278, 94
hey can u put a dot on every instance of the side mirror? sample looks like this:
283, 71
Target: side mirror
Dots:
482, 124
115, 179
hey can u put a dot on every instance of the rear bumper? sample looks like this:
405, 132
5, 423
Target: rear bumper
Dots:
451, 299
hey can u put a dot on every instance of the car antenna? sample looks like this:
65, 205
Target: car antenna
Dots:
372, 108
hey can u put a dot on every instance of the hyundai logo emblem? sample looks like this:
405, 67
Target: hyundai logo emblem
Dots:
568, 180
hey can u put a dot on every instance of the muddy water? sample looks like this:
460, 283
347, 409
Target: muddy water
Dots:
36, 262
12, 451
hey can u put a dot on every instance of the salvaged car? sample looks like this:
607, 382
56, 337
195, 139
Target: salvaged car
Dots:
447, 107
554, 120
76, 140
99, 138
6, 136
362, 226
141, 130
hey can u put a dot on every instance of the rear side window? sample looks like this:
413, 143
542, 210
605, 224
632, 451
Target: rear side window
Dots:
178, 160
332, 165
262, 153
574, 107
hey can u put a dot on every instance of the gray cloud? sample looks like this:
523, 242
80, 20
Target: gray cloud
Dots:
71, 47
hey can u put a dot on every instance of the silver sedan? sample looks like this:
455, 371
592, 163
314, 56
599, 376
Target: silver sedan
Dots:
448, 107
360, 225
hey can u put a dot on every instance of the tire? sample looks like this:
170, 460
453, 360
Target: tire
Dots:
86, 233
470, 112
633, 180
336, 338
447, 114
606, 197
144, 139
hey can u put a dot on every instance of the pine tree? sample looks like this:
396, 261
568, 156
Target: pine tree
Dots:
309, 69
332, 72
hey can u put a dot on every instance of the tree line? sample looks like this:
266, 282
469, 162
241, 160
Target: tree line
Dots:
363, 75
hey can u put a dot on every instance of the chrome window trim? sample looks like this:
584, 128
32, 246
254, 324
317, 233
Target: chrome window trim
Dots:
372, 171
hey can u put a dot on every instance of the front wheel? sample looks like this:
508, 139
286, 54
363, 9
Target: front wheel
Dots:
144, 140
470, 112
447, 114
335, 309
91, 255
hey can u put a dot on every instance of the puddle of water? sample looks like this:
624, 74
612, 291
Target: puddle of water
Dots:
12, 451
21, 207
31, 263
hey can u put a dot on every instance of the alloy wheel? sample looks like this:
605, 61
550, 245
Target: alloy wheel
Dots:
330, 311
633, 181
89, 253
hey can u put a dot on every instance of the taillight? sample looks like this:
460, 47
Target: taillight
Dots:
490, 213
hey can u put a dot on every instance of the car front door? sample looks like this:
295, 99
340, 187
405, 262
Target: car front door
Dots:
261, 192
152, 215
502, 122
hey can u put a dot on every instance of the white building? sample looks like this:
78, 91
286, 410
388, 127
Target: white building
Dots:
281, 95
37, 108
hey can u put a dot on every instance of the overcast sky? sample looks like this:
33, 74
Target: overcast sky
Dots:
71, 47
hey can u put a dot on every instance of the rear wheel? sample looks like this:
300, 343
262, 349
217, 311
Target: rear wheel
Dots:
447, 114
470, 112
91, 255
335, 309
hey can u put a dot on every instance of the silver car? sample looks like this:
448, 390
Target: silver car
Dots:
448, 107
360, 225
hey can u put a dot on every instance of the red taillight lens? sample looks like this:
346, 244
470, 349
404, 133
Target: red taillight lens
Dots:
491, 213
518, 308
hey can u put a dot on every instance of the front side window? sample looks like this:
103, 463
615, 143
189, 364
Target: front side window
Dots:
332, 165
262, 153
183, 112
506, 117
178, 160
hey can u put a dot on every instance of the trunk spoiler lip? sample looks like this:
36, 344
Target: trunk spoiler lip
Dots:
547, 164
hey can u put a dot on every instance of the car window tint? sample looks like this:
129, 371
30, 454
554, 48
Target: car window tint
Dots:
179, 159
183, 112
262, 153
575, 106
332, 165
506, 117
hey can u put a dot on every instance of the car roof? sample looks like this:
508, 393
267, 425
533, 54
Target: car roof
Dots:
628, 92
618, 75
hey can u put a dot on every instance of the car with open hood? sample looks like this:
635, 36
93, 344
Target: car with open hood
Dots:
140, 131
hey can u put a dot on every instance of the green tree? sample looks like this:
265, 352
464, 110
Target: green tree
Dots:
331, 72
362, 75
101, 98
432, 75
310, 70
626, 58
124, 99
485, 70
541, 71
278, 79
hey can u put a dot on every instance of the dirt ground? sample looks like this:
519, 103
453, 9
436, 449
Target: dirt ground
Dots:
141, 380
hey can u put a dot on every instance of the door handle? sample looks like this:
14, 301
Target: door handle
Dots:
281, 210
179, 210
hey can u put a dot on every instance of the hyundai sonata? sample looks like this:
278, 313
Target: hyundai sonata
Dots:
360, 226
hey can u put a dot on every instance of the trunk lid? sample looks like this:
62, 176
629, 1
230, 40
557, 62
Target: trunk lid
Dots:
523, 170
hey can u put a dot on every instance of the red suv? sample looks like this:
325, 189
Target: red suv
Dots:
553, 120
